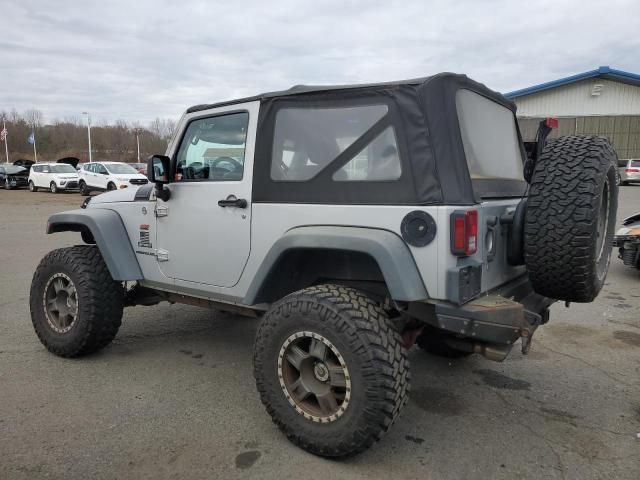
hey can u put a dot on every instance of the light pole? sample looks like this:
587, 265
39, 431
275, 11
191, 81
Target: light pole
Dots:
4, 138
137, 131
88, 132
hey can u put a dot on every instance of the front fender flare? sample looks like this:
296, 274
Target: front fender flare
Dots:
389, 250
110, 235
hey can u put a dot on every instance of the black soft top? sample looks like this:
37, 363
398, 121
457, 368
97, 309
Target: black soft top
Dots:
424, 112
348, 89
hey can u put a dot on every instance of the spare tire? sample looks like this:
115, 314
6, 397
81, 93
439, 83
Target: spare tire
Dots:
570, 218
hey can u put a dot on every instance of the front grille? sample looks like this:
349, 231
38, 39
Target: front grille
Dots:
138, 181
73, 184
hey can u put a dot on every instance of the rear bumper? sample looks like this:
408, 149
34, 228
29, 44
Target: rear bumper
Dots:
502, 316
630, 177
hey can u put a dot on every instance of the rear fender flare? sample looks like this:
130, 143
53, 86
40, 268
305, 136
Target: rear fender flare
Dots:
390, 252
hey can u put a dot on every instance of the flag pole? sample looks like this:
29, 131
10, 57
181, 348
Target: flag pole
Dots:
6, 148
35, 155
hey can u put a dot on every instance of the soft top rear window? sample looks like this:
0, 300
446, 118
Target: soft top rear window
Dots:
491, 144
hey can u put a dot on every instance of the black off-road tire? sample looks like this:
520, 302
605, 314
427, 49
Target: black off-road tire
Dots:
372, 351
565, 218
32, 186
434, 342
53, 188
84, 190
100, 301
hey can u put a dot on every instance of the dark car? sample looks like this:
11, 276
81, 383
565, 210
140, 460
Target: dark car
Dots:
13, 176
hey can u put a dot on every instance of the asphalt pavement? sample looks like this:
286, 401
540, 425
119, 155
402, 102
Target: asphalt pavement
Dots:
174, 395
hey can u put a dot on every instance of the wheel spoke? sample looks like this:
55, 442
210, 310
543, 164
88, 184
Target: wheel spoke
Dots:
52, 304
337, 377
58, 285
327, 403
296, 356
318, 349
298, 391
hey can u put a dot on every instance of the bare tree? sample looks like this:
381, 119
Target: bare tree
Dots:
163, 128
33, 117
14, 116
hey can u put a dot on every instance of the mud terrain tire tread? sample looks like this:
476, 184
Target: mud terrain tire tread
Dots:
359, 324
100, 301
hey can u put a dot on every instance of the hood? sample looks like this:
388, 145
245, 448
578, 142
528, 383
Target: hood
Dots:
124, 195
73, 161
15, 170
24, 163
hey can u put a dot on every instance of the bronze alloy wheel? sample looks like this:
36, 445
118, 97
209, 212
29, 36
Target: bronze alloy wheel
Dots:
314, 377
60, 302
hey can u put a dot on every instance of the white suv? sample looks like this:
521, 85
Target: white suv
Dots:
53, 176
108, 176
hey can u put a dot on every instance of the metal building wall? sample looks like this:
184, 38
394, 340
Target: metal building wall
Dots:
622, 131
578, 100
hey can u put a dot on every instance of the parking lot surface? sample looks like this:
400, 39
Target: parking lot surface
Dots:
174, 396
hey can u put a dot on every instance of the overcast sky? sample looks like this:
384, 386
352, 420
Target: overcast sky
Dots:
138, 59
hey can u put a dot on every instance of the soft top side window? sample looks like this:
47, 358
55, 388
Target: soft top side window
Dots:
378, 161
307, 140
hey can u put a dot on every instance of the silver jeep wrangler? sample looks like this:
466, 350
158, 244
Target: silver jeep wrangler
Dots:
355, 221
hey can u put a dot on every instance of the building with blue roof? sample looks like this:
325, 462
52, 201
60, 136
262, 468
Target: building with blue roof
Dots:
604, 101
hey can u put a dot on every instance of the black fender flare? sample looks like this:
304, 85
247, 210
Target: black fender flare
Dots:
392, 255
110, 235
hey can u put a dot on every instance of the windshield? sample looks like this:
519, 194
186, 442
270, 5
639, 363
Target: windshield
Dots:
121, 168
62, 168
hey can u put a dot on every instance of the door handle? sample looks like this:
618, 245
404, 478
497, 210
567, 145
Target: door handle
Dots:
232, 201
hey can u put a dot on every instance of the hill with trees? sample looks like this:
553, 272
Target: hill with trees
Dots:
68, 138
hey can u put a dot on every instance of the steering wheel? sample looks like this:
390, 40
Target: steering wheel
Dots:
237, 166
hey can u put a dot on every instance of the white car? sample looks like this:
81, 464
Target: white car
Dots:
53, 176
108, 176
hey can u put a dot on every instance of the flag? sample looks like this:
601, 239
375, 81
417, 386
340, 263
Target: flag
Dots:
32, 138
3, 134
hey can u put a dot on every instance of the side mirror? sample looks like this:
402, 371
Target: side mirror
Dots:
158, 167
159, 172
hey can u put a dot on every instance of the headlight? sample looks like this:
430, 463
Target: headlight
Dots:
62, 182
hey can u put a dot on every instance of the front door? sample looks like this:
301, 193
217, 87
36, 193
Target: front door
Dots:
203, 230
101, 176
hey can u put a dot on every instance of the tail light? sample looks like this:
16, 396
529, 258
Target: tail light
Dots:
552, 122
464, 232
631, 170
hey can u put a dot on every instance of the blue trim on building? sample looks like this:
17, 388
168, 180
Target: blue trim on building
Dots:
601, 72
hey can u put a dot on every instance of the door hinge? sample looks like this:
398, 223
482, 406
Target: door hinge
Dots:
162, 210
162, 255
